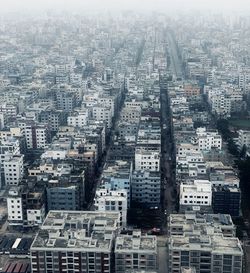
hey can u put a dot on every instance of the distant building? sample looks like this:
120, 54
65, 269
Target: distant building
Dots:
65, 101
37, 136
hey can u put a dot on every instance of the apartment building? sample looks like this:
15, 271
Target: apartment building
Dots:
14, 206
66, 100
243, 139
147, 160
117, 175
66, 192
26, 205
13, 170
193, 222
37, 136
116, 201
206, 252
195, 195
135, 252
104, 113
146, 188
208, 139
78, 118
55, 118
75, 242
131, 114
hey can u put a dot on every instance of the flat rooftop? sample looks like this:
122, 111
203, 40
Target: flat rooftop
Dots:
85, 230
136, 242
216, 244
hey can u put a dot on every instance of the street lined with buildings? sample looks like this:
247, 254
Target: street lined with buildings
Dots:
110, 158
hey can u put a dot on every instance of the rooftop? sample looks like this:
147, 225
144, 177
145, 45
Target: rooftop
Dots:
77, 230
136, 242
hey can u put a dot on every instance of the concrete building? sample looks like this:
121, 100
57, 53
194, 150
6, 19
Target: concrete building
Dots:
104, 113
108, 200
208, 139
66, 192
117, 175
78, 118
221, 175
131, 114
13, 170
196, 195
26, 205
66, 101
15, 208
194, 222
226, 199
205, 252
37, 136
147, 160
146, 188
135, 252
243, 139
54, 118
75, 241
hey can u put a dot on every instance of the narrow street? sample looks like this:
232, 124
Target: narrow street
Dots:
168, 183
169, 196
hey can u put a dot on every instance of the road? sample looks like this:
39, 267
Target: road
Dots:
168, 181
169, 192
175, 62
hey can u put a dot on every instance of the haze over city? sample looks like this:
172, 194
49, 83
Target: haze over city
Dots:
140, 5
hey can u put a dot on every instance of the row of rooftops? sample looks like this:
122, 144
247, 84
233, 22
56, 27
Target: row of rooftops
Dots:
89, 231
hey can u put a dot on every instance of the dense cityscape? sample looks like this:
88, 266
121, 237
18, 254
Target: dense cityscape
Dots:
124, 143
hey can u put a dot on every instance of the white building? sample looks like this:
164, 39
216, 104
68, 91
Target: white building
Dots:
147, 160
36, 217
13, 170
78, 119
54, 154
108, 101
220, 102
243, 138
14, 205
208, 139
103, 113
108, 200
196, 194
131, 114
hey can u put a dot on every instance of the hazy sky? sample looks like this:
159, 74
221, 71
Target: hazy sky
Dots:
14, 5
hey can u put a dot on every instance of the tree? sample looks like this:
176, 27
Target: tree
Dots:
243, 151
